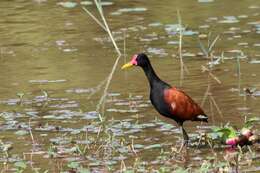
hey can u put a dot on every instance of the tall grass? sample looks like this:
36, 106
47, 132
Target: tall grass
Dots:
183, 67
100, 108
180, 48
208, 52
239, 75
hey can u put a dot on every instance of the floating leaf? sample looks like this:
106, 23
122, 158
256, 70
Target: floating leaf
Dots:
68, 4
75, 131
153, 146
5, 147
21, 132
103, 3
254, 62
229, 19
181, 170
86, 3
74, 165
138, 146
204, 1
20, 165
129, 171
83, 170
137, 9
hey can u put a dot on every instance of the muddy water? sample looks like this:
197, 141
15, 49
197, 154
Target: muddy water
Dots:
54, 57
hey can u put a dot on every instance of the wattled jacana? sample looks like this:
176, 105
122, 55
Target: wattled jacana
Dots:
168, 101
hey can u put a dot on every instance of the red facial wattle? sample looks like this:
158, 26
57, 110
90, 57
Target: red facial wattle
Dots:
134, 61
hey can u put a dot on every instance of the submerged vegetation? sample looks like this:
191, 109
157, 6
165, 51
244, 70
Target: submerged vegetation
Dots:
54, 123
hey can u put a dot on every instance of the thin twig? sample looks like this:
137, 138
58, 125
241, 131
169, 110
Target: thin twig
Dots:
97, 88
30, 131
99, 7
105, 26
123, 166
206, 94
124, 46
210, 74
212, 111
239, 75
94, 18
216, 106
213, 43
103, 97
180, 47
209, 55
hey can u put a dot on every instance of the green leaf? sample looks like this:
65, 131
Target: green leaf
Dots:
153, 146
225, 132
74, 165
181, 170
129, 171
83, 170
138, 146
250, 122
205, 167
20, 165
20, 94
213, 135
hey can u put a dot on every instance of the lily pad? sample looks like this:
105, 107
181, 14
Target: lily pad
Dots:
229, 19
153, 146
20, 165
21, 132
86, 3
205, 1
68, 4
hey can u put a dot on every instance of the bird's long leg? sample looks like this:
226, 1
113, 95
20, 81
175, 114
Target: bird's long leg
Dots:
185, 137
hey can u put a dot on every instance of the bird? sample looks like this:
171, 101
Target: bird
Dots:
169, 101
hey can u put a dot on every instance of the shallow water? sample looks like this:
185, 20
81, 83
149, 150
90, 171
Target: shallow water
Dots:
55, 57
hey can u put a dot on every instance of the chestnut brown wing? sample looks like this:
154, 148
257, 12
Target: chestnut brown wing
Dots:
182, 106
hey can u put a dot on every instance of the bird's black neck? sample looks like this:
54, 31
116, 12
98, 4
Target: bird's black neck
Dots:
151, 75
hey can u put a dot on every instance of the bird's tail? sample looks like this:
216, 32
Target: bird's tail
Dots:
201, 118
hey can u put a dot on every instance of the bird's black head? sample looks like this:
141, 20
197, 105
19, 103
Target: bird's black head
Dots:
137, 60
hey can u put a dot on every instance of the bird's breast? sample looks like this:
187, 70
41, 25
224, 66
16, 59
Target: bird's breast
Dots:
158, 101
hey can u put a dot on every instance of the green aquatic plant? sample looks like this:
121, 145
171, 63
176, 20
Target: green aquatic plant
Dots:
251, 122
75, 166
225, 132
227, 135
20, 95
230, 136
52, 151
20, 166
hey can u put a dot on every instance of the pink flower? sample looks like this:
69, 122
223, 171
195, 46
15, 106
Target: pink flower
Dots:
232, 141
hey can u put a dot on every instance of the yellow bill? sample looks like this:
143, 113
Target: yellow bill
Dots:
127, 65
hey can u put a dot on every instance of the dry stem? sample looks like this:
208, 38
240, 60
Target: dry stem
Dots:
180, 48
101, 103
